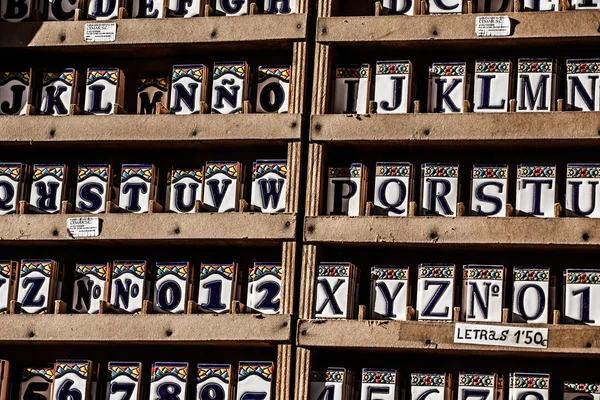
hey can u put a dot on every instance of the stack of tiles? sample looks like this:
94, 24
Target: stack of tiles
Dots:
332, 383
104, 89
531, 292
489, 190
124, 379
390, 292
434, 386
523, 385
94, 188
581, 390
128, 286
347, 190
12, 186
168, 379
537, 85
215, 382
151, 91
475, 385
184, 190
352, 86
493, 85
582, 89
536, 190
15, 92
582, 198
273, 89
394, 87
139, 184
255, 380
380, 383
75, 376
439, 189
173, 287
483, 293
448, 87
218, 287
269, 186
38, 284
580, 296
336, 291
91, 286
394, 188
48, 188
59, 92
435, 292
188, 89
230, 87
36, 379
223, 186
264, 288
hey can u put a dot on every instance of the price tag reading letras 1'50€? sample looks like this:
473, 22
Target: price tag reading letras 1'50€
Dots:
501, 335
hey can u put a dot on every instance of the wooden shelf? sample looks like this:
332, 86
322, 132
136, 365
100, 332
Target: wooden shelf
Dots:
575, 27
207, 329
469, 129
245, 229
494, 233
160, 35
150, 130
567, 340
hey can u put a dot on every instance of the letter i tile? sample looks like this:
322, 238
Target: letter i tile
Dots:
38, 380
483, 293
489, 190
188, 88
581, 286
435, 292
536, 190
230, 86
527, 385
346, 190
255, 377
582, 190
218, 287
91, 285
435, 386
393, 87
214, 380
59, 91
531, 292
128, 286
8, 277
104, 88
94, 185
172, 287
124, 378
169, 379
578, 390
379, 383
138, 187
48, 188
38, 282
536, 84
12, 185
185, 189
473, 386
394, 188
447, 87
352, 86
264, 287
223, 183
390, 291
492, 85
269, 179
439, 189
335, 290
151, 91
15, 92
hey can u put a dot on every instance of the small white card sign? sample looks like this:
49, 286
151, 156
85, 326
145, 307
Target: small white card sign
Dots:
100, 32
492, 25
83, 226
501, 335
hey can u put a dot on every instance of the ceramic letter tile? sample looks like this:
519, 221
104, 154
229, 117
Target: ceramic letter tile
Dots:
217, 287
48, 188
536, 190
256, 378
61, 10
435, 292
394, 184
91, 285
8, 276
582, 190
380, 384
264, 287
280, 7
583, 85
72, 376
334, 290
37, 380
531, 290
541, 5
528, 385
148, 9
489, 190
269, 184
402, 7
94, 185
231, 8
171, 287
188, 87
124, 378
351, 89
390, 292
15, 10
439, 189
483, 293
445, 6
104, 88
37, 286
169, 379
184, 8
104, 10
581, 390
475, 386
581, 299
427, 386
346, 190
494, 6
447, 87
330, 384
138, 187
536, 85
587, 4
152, 90
393, 87
12, 186
272, 93
230, 86
185, 188
214, 382
492, 85
59, 91
15, 88
128, 286
223, 182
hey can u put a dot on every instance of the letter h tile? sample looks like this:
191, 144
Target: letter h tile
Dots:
435, 292
346, 190
583, 84
59, 91
269, 185
12, 186
352, 86
15, 92
91, 286
581, 286
536, 190
582, 196
264, 287
390, 292
489, 190
94, 187
483, 293
536, 84
431, 386
531, 292
335, 290
128, 286
104, 89
38, 284
230, 86
172, 287
447, 87
439, 189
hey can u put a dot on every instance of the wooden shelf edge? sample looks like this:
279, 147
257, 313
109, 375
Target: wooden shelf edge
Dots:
568, 340
110, 329
150, 130
468, 129
494, 233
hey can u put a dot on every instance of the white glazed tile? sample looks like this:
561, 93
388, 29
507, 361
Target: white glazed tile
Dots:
269, 185
273, 89
171, 287
328, 384
103, 10
40, 380
57, 92
122, 378
217, 287
14, 92
351, 89
185, 189
221, 186
188, 88
101, 89
35, 285
89, 288
169, 379
256, 378
229, 89
47, 188
231, 8
214, 382
583, 190
573, 390
12, 186
483, 293
447, 87
150, 91
435, 292
380, 384
332, 294
390, 292
402, 7
393, 87
472, 386
536, 85
492, 85
61, 10
582, 294
280, 7
494, 6
541, 5
136, 188
264, 287
445, 7
344, 187
20, 12
148, 8
184, 8
536, 190
489, 190
587, 5
531, 292
439, 189
583, 84
394, 183
433, 385
93, 188
128, 286
8, 272
72, 376
528, 385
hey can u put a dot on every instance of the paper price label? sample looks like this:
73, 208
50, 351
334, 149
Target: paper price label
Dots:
499, 335
492, 26
83, 227
100, 32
